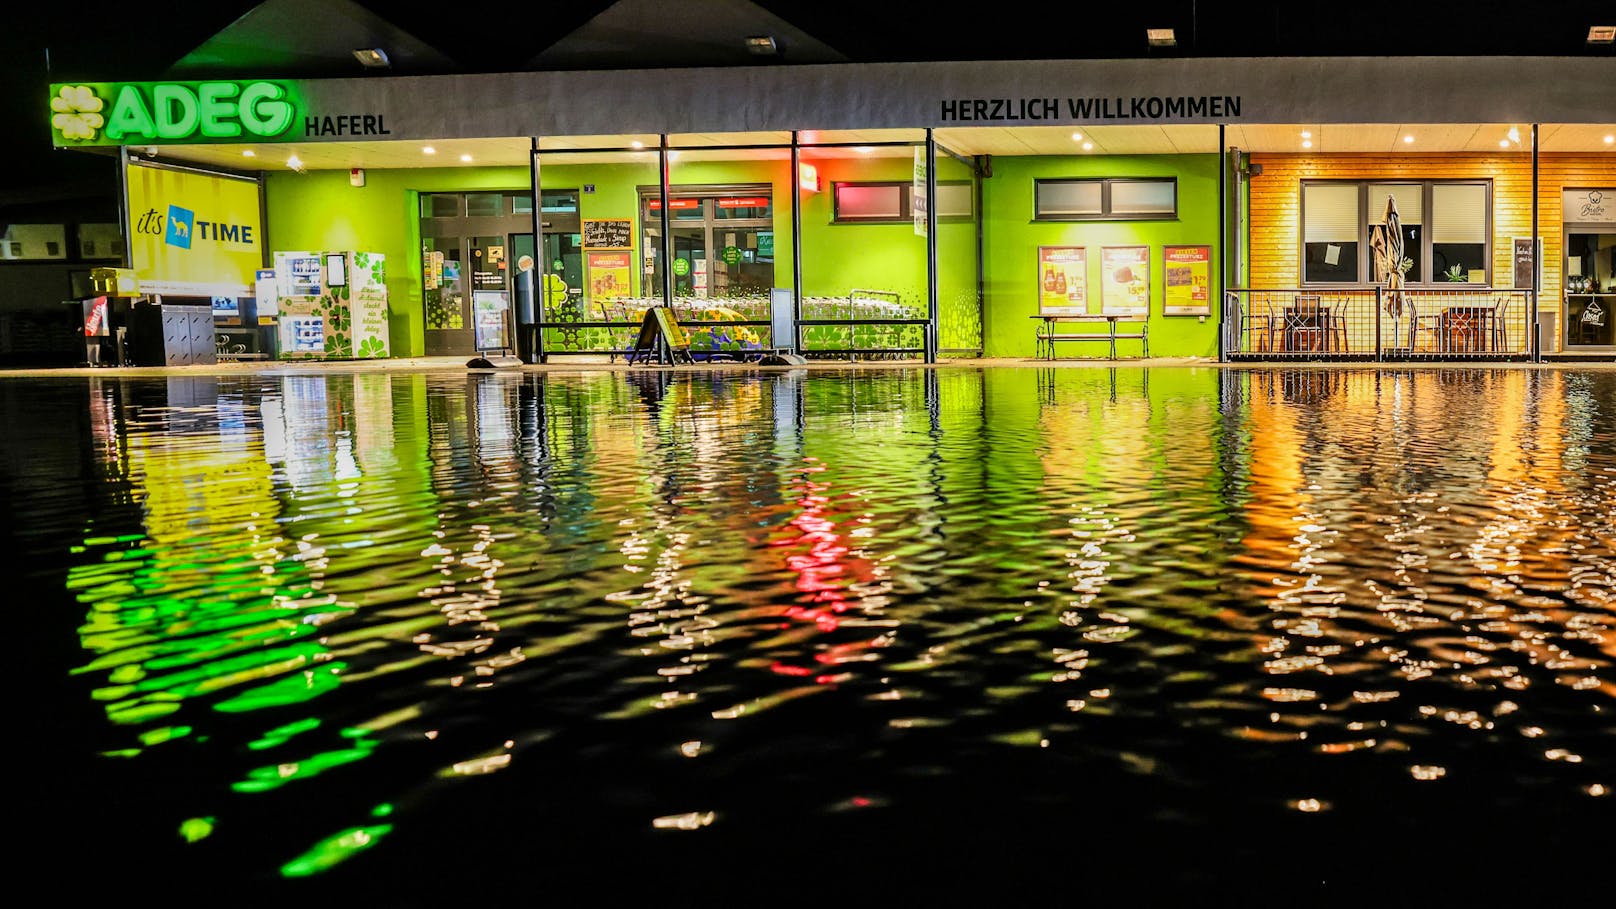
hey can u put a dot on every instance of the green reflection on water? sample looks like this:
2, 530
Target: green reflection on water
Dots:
280, 734
263, 779
334, 850
196, 828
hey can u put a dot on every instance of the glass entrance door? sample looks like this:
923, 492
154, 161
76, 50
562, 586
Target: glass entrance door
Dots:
1590, 289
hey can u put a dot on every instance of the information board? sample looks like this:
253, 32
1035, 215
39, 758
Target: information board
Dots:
608, 233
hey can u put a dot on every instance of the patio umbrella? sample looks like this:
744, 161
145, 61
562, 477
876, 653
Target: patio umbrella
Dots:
1377, 247
1394, 258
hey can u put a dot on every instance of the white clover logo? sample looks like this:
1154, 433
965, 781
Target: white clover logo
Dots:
78, 112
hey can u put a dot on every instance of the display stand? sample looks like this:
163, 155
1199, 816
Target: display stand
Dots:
662, 340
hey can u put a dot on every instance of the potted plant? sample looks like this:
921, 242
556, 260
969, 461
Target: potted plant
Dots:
1456, 274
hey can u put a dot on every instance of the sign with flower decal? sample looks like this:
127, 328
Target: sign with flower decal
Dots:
167, 113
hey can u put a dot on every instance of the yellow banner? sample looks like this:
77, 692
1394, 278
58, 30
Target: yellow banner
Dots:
194, 234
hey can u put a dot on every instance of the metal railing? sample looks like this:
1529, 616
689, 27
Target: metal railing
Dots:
719, 328
1373, 323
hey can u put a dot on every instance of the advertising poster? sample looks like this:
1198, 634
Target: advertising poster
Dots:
1063, 280
269, 296
609, 275
194, 234
1187, 280
367, 302
488, 308
1125, 280
917, 192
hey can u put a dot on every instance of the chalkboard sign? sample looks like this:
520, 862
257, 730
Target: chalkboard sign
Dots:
608, 234
1523, 259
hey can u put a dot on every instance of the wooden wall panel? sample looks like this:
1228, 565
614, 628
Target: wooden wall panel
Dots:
1275, 214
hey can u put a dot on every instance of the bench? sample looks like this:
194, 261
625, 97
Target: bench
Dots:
1049, 332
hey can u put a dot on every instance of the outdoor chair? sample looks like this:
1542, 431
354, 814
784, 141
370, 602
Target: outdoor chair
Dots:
1258, 324
1418, 325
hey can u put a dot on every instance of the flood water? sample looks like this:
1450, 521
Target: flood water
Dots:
813, 637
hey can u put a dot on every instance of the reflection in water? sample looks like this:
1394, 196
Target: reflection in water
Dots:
366, 615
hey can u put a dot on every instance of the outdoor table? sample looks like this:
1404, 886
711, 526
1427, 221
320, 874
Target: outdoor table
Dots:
1047, 335
1465, 328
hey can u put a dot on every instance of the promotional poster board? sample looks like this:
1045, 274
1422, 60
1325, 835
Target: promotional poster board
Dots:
1125, 280
1187, 280
194, 234
1063, 280
609, 273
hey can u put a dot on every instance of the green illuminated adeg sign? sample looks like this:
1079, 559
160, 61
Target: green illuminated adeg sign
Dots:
132, 113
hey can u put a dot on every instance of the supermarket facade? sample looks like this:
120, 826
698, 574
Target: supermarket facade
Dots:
1313, 208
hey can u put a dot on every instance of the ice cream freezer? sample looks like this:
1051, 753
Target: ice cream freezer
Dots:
331, 305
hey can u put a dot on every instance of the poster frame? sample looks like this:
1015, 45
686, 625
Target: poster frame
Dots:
1191, 310
1109, 304
1082, 277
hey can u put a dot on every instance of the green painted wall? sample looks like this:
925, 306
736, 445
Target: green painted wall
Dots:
319, 210
1012, 238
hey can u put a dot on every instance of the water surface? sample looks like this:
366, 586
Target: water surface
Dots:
809, 636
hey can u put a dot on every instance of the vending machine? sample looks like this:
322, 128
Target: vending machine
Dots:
332, 305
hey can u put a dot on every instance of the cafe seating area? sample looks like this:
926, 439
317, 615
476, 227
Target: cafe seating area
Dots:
1373, 322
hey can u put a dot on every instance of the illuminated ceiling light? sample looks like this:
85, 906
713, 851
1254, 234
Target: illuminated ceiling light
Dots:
1601, 34
1306, 134
248, 153
762, 45
1307, 143
372, 57
1514, 135
1408, 140
294, 162
1160, 37
636, 144
466, 158
863, 149
428, 150
1088, 146
1610, 139
1077, 137
1503, 143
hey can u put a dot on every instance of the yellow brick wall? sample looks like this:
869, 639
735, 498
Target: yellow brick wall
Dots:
1276, 203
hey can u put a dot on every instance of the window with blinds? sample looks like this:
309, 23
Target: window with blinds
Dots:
1331, 223
1106, 199
1446, 228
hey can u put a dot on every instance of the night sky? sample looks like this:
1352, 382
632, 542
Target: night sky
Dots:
135, 41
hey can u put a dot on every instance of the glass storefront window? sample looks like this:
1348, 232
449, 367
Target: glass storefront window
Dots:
440, 205
482, 205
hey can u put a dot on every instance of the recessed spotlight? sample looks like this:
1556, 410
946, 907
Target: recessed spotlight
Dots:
1077, 137
1306, 134
1610, 139
294, 162
1307, 143
1088, 146
1514, 135
864, 149
1408, 140
1503, 143
248, 153
636, 144
466, 158
428, 150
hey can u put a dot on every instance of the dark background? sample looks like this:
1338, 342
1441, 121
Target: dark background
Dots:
133, 41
